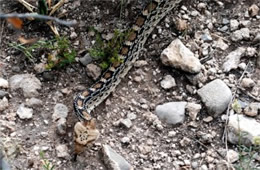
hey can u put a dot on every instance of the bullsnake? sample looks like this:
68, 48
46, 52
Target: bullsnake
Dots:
86, 101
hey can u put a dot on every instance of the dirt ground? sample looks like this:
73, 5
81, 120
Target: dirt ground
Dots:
149, 148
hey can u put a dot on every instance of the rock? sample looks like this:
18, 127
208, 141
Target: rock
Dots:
113, 160
34, 102
178, 56
126, 123
257, 38
252, 109
251, 52
24, 112
125, 140
233, 59
3, 94
131, 116
40, 68
220, 44
193, 109
172, 112
4, 104
3, 163
73, 35
62, 151
140, 63
4, 83
243, 130
93, 71
242, 34
232, 156
253, 10
86, 59
27, 82
216, 96
181, 25
206, 37
168, 82
234, 24
60, 111
61, 126
247, 83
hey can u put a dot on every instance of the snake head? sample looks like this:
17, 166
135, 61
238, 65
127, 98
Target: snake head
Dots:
85, 133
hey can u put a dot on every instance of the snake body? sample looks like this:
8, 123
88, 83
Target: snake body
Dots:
87, 100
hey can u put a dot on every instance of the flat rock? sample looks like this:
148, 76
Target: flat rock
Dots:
216, 96
93, 71
27, 82
247, 83
24, 112
172, 112
193, 109
233, 59
243, 130
34, 102
86, 59
242, 34
113, 160
178, 56
62, 151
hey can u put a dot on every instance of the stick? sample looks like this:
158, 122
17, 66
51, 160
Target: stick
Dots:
38, 16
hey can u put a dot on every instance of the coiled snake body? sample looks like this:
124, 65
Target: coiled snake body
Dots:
86, 101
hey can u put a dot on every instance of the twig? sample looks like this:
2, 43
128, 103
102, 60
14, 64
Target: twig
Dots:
38, 16
27, 5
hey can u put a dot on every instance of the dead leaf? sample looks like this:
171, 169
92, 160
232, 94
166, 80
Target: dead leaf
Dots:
27, 41
16, 22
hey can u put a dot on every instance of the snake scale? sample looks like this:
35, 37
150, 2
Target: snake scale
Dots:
86, 101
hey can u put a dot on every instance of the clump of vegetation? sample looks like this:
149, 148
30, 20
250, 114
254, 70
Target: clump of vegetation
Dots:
45, 163
107, 52
58, 50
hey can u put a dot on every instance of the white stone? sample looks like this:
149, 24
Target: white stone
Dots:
4, 83
3, 104
168, 82
178, 56
193, 109
233, 59
232, 156
24, 112
234, 24
243, 130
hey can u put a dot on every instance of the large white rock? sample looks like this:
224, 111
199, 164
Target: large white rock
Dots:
178, 56
243, 130
3, 83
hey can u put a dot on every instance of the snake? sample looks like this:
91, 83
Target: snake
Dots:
87, 100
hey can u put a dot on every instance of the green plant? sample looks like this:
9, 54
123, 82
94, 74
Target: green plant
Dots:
107, 52
45, 163
58, 50
236, 106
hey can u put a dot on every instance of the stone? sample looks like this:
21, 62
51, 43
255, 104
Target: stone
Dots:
193, 109
253, 10
4, 83
251, 51
24, 112
247, 83
168, 82
34, 102
140, 63
3, 94
93, 71
252, 109
60, 111
242, 34
126, 123
216, 96
178, 56
172, 112
181, 25
73, 35
243, 130
27, 82
40, 68
234, 24
113, 160
233, 59
62, 151
125, 140
61, 126
86, 59
232, 156
3, 104
220, 44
